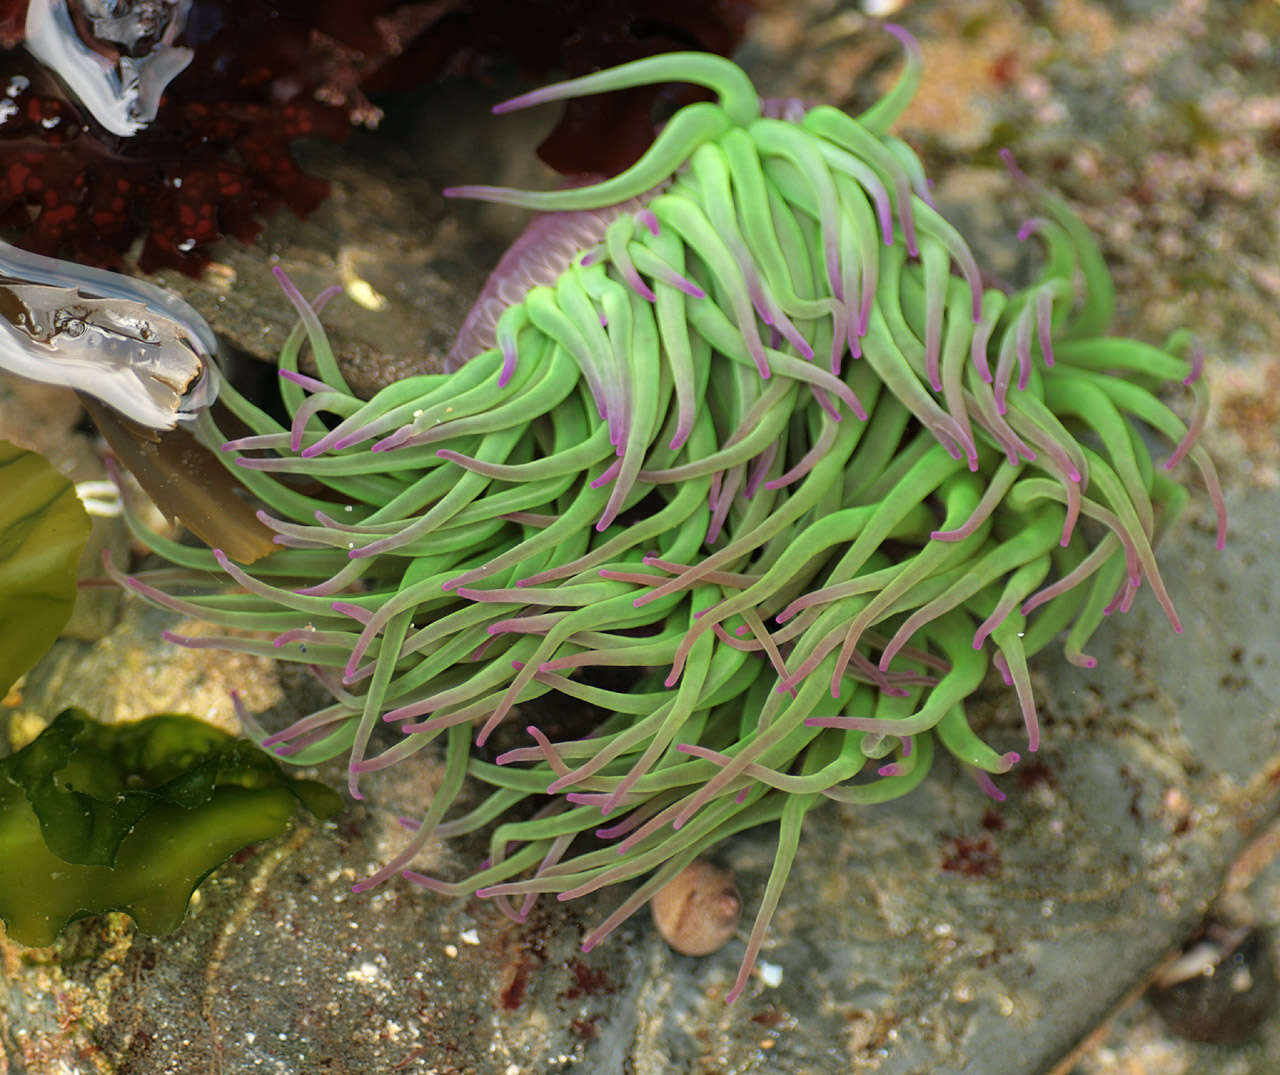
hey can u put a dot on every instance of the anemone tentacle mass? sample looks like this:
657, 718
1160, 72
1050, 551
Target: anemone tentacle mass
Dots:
764, 474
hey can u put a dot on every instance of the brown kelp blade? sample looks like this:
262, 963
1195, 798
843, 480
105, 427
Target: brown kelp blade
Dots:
186, 483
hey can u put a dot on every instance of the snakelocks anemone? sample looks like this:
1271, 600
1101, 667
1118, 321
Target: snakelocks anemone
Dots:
743, 428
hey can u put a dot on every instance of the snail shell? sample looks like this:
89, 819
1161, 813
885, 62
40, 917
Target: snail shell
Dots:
120, 75
697, 911
132, 345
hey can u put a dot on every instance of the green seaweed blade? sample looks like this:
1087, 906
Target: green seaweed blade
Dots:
132, 817
43, 528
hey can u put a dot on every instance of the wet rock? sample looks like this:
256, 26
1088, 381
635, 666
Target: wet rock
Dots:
1222, 987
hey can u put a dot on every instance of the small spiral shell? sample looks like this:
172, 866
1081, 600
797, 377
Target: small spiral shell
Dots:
697, 911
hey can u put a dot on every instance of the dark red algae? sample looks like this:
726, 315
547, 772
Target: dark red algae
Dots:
215, 158
214, 154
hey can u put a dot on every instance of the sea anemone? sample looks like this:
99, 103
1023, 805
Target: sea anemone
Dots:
742, 453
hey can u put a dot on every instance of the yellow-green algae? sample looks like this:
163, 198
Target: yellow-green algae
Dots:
43, 528
131, 817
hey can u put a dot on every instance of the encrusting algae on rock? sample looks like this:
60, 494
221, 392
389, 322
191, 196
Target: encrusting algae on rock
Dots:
761, 440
